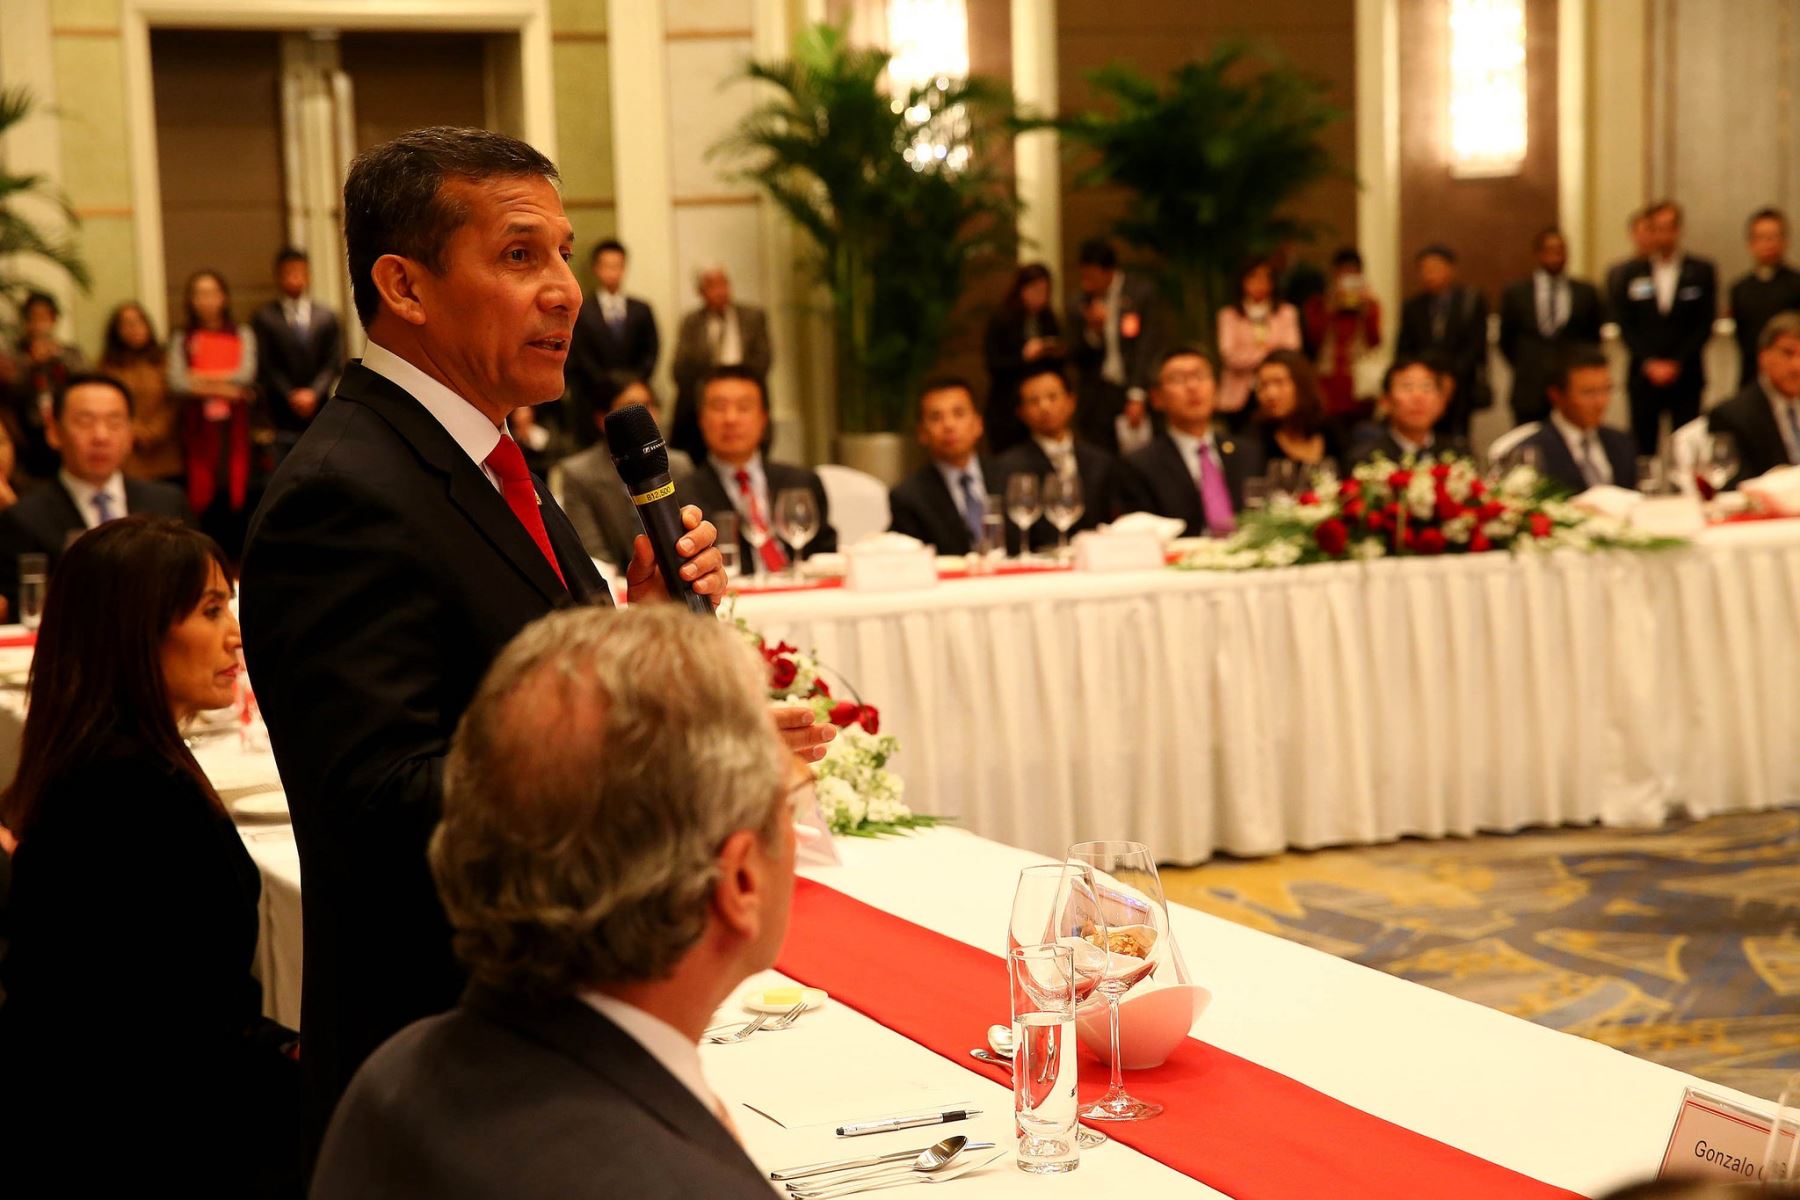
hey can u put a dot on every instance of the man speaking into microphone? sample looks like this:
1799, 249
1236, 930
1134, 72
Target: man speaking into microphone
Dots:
400, 545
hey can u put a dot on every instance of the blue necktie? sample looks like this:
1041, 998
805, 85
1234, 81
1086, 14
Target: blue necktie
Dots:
974, 508
103, 506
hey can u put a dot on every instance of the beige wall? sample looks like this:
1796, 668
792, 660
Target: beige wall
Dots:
584, 120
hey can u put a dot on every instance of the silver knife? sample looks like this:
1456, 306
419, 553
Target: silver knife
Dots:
846, 1164
883, 1182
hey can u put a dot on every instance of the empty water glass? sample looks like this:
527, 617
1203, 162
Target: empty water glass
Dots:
1652, 475
993, 535
34, 576
727, 525
1043, 1011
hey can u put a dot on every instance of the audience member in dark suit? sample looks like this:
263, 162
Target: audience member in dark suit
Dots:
1574, 448
1021, 336
399, 546
90, 430
1541, 317
1186, 471
1047, 410
595, 497
1412, 392
1665, 305
1448, 321
1289, 415
734, 418
299, 351
1771, 287
945, 501
1764, 418
719, 333
1637, 228
1115, 321
615, 344
129, 874
662, 881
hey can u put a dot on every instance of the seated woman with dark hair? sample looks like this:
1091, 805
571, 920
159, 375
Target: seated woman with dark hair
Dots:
1290, 411
132, 1041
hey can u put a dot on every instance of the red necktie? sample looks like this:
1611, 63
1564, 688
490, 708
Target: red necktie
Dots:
508, 462
771, 553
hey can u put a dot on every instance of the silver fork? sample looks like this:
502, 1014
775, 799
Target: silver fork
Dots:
787, 1018
726, 1039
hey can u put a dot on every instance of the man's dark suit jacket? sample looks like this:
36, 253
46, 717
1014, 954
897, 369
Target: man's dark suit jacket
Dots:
507, 1099
1156, 479
694, 359
382, 575
43, 519
602, 362
705, 489
1461, 350
1750, 421
286, 360
1534, 356
1380, 440
1679, 334
1099, 473
921, 506
1098, 402
1753, 302
1557, 463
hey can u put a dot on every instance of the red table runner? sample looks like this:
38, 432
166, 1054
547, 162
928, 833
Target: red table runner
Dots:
12, 641
1247, 1131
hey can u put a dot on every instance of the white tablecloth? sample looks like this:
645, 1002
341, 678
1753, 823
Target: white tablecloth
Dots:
1333, 704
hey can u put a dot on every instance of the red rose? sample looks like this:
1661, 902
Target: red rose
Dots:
1354, 509
1477, 488
781, 674
1376, 522
1332, 537
1350, 489
1540, 525
1309, 497
1447, 509
844, 712
1487, 512
870, 720
819, 689
1430, 541
1411, 540
1398, 480
1441, 472
784, 648
1478, 542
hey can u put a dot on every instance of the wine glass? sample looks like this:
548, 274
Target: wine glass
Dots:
1719, 466
1120, 904
1063, 505
34, 575
1652, 475
1024, 506
1256, 493
1284, 476
1045, 910
796, 521
757, 535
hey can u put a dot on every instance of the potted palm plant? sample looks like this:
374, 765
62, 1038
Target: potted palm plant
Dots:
20, 238
1209, 162
899, 203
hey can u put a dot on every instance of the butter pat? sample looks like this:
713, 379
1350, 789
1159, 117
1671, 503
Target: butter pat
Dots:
785, 997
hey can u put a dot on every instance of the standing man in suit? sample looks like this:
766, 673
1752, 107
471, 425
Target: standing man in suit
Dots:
1412, 392
571, 1068
1637, 228
1542, 317
1764, 418
1047, 411
719, 333
1186, 471
1115, 322
299, 351
1448, 321
1575, 449
945, 501
399, 547
615, 343
1665, 306
1771, 287
597, 501
734, 417
89, 428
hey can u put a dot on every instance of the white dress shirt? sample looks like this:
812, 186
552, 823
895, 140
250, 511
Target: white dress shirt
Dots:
759, 487
1552, 293
297, 311
953, 480
660, 1040
727, 342
84, 493
1061, 454
1191, 447
612, 305
1112, 368
1407, 446
467, 426
1585, 448
1665, 273
1786, 410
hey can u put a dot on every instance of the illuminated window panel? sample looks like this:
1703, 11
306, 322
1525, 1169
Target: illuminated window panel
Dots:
929, 41
1487, 87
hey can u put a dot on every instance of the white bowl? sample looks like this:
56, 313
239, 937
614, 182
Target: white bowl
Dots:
1152, 1021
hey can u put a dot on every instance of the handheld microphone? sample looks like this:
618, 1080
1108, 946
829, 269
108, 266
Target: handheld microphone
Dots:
637, 450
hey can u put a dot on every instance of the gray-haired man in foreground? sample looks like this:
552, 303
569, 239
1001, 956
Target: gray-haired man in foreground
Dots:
609, 888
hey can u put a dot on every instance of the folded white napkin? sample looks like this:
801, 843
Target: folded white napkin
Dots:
1607, 500
1775, 490
889, 543
1163, 529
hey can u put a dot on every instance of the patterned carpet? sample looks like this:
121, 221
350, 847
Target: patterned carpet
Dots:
1680, 945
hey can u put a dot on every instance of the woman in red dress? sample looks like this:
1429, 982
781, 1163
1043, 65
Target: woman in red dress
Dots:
212, 366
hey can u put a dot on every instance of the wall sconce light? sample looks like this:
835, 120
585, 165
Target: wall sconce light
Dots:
1487, 88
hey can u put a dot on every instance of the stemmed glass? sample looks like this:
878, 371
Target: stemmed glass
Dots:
1024, 506
1284, 475
1063, 505
1045, 910
797, 521
1719, 466
1119, 902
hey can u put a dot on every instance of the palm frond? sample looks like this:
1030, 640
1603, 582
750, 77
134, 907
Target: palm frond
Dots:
20, 238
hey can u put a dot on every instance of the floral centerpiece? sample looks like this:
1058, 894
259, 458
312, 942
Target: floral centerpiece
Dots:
1418, 506
859, 794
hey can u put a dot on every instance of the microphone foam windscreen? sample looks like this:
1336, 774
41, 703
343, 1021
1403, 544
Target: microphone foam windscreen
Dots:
636, 444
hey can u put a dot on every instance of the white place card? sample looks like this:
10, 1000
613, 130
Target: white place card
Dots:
1716, 1139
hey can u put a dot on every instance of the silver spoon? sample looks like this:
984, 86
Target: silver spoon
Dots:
932, 1158
1000, 1039
991, 1059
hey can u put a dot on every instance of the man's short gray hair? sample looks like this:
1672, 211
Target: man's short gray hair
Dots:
1784, 324
604, 760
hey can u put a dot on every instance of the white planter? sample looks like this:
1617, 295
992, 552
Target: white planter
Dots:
882, 455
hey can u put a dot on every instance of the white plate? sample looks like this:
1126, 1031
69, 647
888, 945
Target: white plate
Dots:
754, 1001
261, 806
